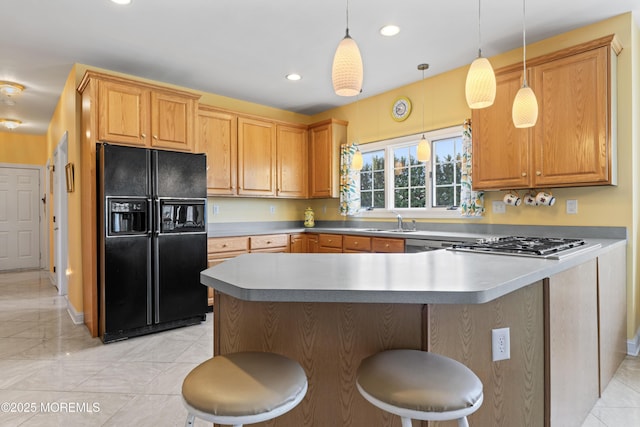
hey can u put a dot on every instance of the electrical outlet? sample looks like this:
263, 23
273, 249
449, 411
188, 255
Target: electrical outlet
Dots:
324, 209
500, 344
498, 207
572, 206
272, 209
216, 209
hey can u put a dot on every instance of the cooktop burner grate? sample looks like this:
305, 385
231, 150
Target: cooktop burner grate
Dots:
540, 246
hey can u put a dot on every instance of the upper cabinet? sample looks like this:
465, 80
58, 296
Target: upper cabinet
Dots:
573, 143
291, 161
135, 113
252, 156
256, 157
325, 139
217, 137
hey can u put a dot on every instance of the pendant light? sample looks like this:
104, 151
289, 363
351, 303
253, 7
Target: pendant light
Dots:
525, 104
480, 88
424, 148
346, 72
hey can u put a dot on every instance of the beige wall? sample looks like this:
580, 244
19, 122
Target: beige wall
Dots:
23, 149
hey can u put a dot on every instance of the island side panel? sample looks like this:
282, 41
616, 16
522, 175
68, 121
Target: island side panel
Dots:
513, 388
571, 345
612, 309
329, 340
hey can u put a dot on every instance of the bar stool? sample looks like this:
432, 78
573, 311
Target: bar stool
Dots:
419, 385
243, 388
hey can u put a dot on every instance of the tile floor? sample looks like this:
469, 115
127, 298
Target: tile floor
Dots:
48, 362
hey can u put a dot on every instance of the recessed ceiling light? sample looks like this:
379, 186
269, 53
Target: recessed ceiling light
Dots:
121, 1
293, 77
389, 30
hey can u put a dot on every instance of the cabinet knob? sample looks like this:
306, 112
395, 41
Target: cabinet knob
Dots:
355, 243
538, 173
386, 245
524, 174
155, 136
144, 135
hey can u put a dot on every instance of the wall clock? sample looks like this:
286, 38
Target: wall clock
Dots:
401, 109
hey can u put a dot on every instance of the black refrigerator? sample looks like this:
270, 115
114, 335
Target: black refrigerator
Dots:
152, 240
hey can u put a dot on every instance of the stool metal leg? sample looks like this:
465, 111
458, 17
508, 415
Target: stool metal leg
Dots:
406, 422
190, 420
462, 422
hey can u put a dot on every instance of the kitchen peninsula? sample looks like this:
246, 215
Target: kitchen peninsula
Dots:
329, 311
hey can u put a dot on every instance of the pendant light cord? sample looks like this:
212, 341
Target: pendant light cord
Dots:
524, 45
347, 17
479, 33
423, 96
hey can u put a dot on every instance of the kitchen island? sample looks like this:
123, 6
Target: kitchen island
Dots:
329, 311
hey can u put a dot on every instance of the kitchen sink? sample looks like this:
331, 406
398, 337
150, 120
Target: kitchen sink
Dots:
401, 231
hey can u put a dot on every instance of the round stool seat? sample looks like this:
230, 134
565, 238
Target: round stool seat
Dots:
419, 385
246, 384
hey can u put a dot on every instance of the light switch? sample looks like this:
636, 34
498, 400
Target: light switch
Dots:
572, 206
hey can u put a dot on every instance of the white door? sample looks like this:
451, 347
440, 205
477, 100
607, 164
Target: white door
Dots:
19, 218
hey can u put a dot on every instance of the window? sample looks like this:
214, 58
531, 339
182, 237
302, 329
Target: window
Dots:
392, 178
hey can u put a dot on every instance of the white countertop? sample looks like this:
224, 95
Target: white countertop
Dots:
441, 277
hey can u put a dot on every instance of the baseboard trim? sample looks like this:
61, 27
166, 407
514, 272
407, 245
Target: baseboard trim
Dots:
76, 317
633, 345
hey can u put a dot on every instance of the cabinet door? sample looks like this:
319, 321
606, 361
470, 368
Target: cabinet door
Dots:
386, 245
570, 138
298, 244
172, 118
312, 244
500, 150
291, 162
218, 139
256, 157
123, 113
321, 161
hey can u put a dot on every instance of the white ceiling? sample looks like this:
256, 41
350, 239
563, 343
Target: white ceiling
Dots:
244, 48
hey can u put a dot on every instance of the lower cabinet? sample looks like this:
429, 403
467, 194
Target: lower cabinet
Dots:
220, 249
269, 243
387, 245
330, 243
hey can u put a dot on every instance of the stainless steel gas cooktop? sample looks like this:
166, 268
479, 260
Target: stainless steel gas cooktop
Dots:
539, 247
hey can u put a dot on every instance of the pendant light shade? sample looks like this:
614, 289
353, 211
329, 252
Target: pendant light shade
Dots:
525, 105
525, 108
424, 150
356, 161
480, 88
347, 70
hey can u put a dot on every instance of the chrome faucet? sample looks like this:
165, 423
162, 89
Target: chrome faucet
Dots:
399, 217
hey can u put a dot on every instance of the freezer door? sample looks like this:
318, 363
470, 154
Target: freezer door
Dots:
179, 175
179, 261
126, 283
124, 171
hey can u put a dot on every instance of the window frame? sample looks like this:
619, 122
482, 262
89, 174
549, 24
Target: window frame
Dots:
400, 142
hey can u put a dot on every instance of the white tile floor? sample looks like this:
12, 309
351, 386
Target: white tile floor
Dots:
47, 362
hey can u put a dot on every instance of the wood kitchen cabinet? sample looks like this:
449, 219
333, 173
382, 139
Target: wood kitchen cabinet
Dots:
220, 249
140, 114
269, 243
325, 139
299, 243
291, 161
356, 244
256, 157
217, 137
387, 245
330, 243
573, 143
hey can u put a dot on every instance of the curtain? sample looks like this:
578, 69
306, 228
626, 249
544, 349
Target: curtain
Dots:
349, 182
471, 202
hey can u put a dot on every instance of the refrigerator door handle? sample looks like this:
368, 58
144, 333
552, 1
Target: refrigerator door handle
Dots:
150, 281
158, 218
156, 281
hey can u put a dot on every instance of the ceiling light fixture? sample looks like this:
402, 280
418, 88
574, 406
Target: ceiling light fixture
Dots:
346, 72
525, 105
424, 149
389, 30
10, 123
121, 2
294, 77
480, 88
10, 88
